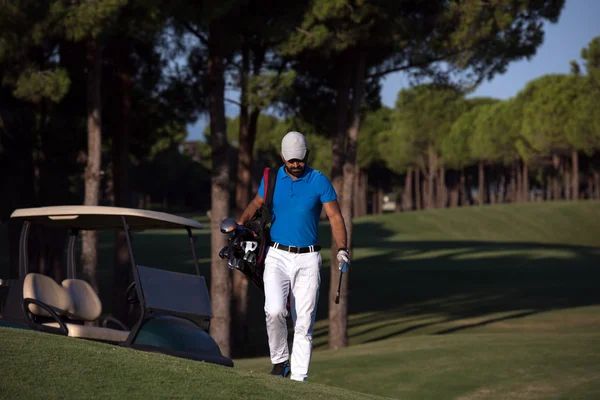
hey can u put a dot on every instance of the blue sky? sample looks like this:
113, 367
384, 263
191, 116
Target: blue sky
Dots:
579, 22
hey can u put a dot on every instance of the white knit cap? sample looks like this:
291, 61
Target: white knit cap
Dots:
293, 146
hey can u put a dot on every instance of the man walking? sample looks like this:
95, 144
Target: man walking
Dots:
293, 261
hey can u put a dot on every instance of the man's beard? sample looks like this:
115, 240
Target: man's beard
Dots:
297, 172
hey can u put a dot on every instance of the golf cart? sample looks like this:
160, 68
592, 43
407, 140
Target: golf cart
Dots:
174, 307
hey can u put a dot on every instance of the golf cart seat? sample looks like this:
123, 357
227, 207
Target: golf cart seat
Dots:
86, 303
49, 298
66, 305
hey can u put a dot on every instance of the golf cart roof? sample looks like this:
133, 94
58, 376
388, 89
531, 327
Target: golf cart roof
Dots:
102, 218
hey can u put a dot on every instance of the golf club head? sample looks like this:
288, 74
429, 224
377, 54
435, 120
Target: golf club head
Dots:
228, 225
234, 263
250, 258
224, 253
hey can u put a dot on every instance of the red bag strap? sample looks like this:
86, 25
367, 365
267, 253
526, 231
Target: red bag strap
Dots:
266, 180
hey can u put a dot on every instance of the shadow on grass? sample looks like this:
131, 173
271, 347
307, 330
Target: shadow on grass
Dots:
463, 283
398, 287
410, 285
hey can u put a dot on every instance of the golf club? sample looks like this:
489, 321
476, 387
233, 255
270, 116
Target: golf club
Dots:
228, 225
337, 296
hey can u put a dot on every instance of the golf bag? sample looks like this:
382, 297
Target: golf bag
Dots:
247, 245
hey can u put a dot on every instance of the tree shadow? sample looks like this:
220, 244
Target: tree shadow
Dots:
442, 287
406, 287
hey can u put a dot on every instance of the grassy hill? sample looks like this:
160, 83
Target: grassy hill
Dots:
480, 302
36, 365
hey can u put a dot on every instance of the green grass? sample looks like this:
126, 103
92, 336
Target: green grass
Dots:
498, 366
505, 297
38, 365
480, 302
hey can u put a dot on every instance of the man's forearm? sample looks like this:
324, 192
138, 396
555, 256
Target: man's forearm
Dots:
338, 230
248, 212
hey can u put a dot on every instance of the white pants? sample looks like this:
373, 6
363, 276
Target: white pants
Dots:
301, 274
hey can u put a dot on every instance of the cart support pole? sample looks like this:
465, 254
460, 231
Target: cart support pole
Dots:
133, 264
193, 246
138, 287
23, 254
71, 253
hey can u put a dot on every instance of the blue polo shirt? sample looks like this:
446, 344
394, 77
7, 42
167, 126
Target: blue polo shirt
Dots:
297, 205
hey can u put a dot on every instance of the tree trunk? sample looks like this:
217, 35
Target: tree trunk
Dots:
377, 199
408, 189
242, 194
442, 197
519, 186
525, 183
120, 162
514, 188
596, 184
546, 193
575, 182
425, 190
489, 180
338, 321
418, 197
337, 314
220, 197
454, 196
337, 148
239, 319
398, 204
463, 189
566, 176
501, 193
240, 314
248, 128
454, 189
481, 188
431, 175
89, 250
556, 192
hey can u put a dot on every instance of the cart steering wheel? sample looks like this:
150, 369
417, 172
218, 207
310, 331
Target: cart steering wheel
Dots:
131, 294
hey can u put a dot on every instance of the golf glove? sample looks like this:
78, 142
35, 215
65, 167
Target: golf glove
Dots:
344, 259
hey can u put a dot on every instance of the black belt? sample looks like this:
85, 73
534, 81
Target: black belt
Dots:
294, 249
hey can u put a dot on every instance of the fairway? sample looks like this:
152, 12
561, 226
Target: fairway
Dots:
477, 366
478, 302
